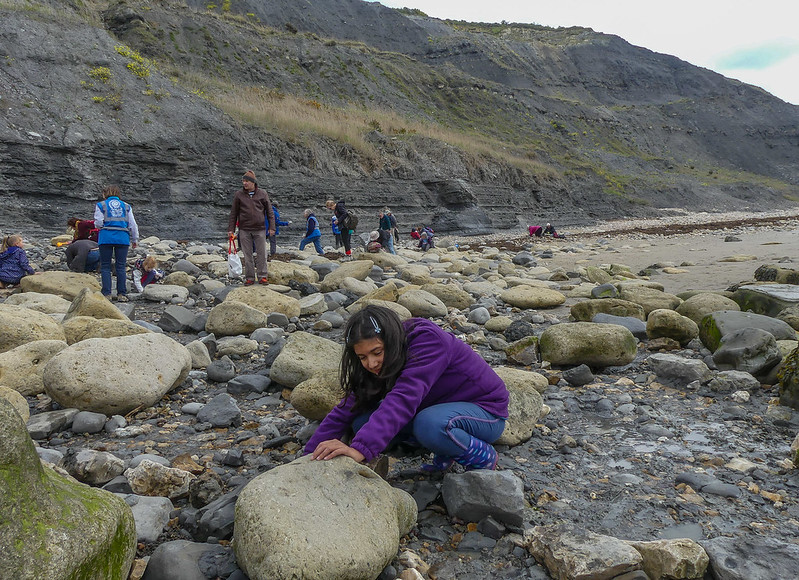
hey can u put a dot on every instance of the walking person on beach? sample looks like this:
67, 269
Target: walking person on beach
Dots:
118, 231
344, 222
336, 231
386, 230
278, 223
415, 383
251, 211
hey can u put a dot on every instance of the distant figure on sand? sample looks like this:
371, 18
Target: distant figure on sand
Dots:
536, 231
549, 230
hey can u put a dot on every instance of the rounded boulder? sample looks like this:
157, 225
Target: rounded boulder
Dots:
116, 375
592, 344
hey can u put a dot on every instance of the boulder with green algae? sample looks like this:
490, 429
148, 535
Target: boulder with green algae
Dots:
789, 382
54, 527
767, 299
716, 325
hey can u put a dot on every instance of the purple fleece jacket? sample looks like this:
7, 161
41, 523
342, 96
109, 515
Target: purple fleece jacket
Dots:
440, 369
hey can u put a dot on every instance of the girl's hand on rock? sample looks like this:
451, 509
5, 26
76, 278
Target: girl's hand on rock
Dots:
333, 448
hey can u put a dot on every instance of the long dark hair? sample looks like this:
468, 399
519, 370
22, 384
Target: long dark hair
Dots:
372, 322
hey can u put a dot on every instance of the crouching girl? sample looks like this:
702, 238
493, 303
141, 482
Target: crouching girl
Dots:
411, 381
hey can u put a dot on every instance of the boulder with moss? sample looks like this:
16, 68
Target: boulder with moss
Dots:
44, 531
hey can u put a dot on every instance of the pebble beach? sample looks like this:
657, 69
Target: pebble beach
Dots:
651, 450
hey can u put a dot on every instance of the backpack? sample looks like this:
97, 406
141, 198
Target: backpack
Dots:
350, 220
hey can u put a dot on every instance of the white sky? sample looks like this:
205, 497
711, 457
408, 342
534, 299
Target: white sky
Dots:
756, 42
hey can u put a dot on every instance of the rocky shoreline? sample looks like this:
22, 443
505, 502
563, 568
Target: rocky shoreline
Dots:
662, 451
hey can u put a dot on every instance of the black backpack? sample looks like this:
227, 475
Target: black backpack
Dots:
351, 220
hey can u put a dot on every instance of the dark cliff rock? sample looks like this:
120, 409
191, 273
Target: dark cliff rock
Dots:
527, 123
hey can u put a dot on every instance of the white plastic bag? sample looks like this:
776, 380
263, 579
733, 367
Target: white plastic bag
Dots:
233, 260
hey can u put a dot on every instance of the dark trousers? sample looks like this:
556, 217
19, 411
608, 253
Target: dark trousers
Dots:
120, 254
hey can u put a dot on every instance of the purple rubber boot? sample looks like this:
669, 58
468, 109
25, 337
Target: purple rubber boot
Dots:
479, 455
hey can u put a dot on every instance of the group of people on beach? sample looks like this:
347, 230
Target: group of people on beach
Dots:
548, 230
405, 382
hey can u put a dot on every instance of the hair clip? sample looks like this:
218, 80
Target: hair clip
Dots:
375, 324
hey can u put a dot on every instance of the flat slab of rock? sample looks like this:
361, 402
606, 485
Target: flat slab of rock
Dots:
20, 326
767, 299
718, 324
64, 284
569, 552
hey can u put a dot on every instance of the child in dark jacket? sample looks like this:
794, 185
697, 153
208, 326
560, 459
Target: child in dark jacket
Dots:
14, 263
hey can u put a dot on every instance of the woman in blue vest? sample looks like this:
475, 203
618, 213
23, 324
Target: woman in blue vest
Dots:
312, 233
278, 223
118, 230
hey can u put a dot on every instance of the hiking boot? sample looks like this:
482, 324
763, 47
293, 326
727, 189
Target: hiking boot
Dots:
249, 282
263, 280
439, 463
122, 298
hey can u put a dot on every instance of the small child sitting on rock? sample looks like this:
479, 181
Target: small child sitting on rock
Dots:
145, 272
411, 382
14, 263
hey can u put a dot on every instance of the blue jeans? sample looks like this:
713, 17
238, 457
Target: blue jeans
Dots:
315, 240
92, 260
447, 429
120, 253
388, 242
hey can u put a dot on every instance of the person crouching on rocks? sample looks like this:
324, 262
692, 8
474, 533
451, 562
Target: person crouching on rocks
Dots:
14, 265
412, 382
83, 256
146, 272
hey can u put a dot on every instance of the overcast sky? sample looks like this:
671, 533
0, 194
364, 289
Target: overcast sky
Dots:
756, 42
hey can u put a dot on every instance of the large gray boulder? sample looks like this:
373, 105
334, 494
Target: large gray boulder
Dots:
474, 495
116, 375
752, 350
363, 516
592, 344
21, 368
165, 293
303, 356
20, 325
717, 324
54, 527
679, 370
526, 405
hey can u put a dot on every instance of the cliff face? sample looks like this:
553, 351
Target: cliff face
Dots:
490, 127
